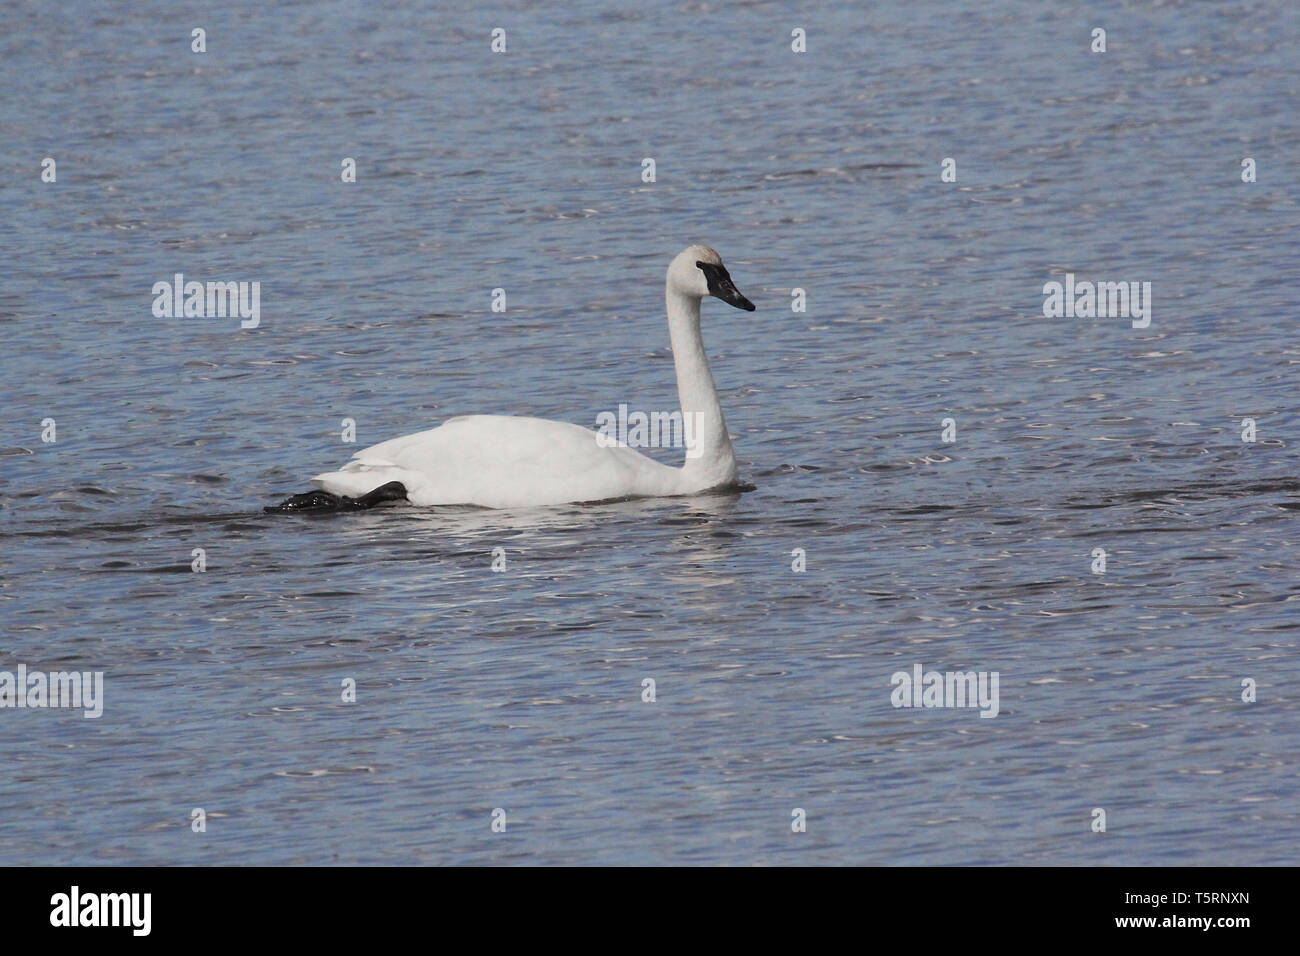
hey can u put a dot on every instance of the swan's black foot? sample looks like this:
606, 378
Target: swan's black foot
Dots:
310, 501
325, 501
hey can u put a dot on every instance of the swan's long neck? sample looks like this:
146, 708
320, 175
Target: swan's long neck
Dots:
711, 462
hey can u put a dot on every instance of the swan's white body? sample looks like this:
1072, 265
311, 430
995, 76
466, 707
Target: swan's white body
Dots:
502, 461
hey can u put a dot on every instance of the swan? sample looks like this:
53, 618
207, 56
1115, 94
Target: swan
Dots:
505, 461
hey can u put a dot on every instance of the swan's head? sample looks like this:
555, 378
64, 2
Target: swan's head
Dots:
699, 271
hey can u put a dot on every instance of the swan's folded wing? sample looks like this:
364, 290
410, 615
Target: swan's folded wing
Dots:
501, 461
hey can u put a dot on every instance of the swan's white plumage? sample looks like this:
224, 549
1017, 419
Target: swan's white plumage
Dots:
502, 461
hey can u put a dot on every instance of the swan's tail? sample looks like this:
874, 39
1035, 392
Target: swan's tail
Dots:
354, 484
363, 475
361, 483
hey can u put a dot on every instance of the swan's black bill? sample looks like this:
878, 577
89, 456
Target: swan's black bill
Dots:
721, 286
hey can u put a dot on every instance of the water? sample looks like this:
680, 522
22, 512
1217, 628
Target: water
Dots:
521, 689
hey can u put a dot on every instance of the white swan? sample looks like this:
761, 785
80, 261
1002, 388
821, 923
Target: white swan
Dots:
503, 461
